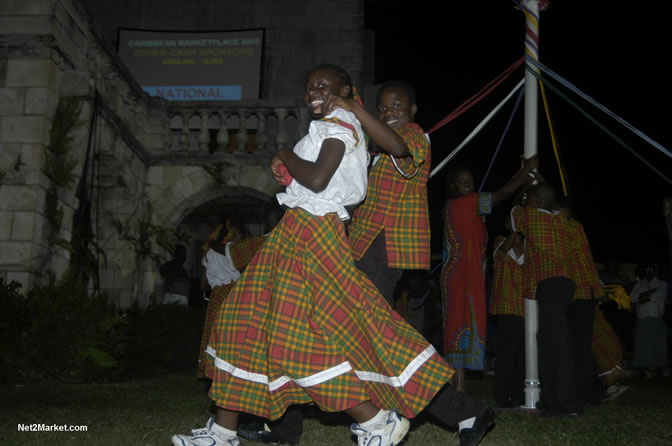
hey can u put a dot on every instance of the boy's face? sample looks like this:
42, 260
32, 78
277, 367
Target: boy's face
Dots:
394, 108
320, 85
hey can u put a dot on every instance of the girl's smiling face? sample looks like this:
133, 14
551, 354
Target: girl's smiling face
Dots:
321, 84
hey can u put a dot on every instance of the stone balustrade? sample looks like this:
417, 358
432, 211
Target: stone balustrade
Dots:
254, 127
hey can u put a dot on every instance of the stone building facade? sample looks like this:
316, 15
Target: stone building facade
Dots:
138, 166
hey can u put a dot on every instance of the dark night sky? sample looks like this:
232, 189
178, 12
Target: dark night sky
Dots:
615, 52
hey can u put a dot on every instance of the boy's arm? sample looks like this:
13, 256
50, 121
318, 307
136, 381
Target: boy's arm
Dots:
384, 137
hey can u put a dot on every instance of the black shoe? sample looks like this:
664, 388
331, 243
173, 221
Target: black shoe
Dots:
482, 424
256, 432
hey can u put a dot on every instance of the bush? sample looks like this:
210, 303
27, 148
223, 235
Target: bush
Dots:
58, 331
162, 338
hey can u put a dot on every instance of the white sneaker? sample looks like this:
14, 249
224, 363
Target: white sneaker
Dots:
391, 432
203, 437
614, 391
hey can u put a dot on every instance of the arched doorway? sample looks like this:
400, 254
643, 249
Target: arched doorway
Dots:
244, 205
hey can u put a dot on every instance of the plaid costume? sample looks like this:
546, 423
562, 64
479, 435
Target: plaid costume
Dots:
508, 283
548, 252
585, 274
241, 254
507, 304
607, 350
303, 324
549, 245
398, 205
463, 280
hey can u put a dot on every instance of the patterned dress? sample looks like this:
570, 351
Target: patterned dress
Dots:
304, 325
463, 280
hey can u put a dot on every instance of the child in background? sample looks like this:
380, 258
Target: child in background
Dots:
223, 261
548, 253
462, 278
583, 307
508, 305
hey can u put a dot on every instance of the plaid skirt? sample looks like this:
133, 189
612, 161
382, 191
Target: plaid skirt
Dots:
217, 296
303, 325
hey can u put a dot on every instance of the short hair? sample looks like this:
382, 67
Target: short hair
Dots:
545, 193
404, 86
340, 72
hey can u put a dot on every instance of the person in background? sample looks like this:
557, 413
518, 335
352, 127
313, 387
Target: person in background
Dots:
650, 343
176, 277
548, 252
508, 306
462, 276
588, 293
224, 259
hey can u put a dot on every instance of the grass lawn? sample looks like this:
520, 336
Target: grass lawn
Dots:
148, 412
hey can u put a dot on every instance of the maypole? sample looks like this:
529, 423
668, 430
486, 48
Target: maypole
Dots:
531, 10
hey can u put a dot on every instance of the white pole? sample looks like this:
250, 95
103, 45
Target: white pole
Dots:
531, 10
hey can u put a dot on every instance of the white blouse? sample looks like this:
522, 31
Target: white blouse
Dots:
655, 307
219, 268
348, 185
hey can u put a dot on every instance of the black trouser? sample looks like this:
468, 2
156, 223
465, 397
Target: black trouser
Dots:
290, 427
509, 360
556, 361
450, 406
374, 264
581, 318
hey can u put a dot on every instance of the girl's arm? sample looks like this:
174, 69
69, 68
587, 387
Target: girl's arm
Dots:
312, 175
517, 181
